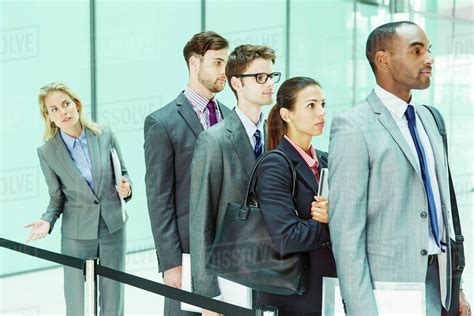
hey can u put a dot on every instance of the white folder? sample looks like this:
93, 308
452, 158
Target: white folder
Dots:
118, 174
392, 298
231, 292
323, 188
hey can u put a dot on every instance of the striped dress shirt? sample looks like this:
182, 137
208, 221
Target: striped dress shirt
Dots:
199, 104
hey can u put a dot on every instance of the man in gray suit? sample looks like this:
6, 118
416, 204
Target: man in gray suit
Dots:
226, 154
389, 201
170, 136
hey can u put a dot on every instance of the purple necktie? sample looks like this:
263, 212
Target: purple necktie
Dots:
211, 106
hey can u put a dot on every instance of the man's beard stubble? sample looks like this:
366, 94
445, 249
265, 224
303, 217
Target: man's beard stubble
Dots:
213, 86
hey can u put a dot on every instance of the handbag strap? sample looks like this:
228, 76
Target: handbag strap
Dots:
454, 205
250, 199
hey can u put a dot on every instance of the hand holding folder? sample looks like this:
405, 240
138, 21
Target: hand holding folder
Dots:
323, 189
319, 207
117, 168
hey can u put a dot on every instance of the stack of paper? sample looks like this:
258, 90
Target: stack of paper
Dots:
231, 292
392, 298
118, 175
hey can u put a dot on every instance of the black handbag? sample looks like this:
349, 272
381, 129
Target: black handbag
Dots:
457, 246
243, 250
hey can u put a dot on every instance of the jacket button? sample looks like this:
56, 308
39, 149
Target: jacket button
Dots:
424, 252
96, 202
423, 214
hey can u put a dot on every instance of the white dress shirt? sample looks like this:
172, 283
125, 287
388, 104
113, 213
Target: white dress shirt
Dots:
251, 128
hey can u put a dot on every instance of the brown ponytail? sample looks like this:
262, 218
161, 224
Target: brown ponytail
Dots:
286, 98
276, 127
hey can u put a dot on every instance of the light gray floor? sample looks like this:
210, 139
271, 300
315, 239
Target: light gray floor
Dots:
41, 293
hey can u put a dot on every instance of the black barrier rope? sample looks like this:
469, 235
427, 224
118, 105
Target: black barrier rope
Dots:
43, 254
141, 283
173, 293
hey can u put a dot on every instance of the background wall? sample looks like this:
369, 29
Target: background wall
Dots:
138, 67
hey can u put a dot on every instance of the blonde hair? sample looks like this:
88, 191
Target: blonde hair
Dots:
50, 128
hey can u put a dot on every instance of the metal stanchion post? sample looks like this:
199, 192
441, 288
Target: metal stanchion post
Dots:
90, 286
267, 311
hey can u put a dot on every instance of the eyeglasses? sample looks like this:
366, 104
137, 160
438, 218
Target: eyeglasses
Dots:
262, 77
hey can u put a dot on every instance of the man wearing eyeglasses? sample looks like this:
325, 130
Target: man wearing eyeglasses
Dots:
223, 160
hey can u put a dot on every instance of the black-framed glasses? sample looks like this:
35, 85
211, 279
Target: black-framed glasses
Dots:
262, 77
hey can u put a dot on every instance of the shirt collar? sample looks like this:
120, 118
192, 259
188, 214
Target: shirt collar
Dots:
71, 141
197, 101
393, 103
249, 126
311, 159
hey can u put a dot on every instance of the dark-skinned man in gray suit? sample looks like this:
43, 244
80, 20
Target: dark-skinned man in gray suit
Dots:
225, 156
395, 225
170, 136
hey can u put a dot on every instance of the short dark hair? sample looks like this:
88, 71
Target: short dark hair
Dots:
380, 39
201, 42
241, 57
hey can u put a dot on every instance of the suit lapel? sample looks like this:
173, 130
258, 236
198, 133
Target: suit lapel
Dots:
185, 109
265, 135
225, 111
436, 144
94, 152
66, 161
391, 127
240, 141
301, 167
322, 160
441, 163
444, 259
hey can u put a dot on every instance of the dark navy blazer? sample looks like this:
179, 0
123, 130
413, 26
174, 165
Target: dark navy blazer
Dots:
294, 232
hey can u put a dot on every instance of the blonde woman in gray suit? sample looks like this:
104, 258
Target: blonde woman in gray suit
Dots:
77, 165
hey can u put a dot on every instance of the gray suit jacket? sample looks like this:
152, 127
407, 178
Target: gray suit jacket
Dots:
377, 204
69, 193
170, 136
222, 165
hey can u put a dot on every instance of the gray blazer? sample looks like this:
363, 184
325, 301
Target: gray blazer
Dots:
170, 136
222, 165
377, 204
71, 196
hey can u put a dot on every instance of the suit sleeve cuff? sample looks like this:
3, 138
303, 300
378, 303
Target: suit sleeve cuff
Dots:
169, 262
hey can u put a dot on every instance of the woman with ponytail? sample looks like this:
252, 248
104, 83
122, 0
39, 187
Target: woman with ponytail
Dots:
299, 224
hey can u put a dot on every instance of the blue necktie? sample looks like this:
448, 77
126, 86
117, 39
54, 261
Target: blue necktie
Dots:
258, 144
410, 114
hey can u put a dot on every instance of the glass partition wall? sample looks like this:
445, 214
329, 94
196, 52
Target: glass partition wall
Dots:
137, 66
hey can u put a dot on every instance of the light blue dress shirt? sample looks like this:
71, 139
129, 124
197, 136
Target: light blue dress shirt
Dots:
79, 152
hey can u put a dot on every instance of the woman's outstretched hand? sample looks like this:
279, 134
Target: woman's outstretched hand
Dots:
40, 229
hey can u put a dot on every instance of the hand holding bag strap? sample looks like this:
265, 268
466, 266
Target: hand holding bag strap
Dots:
250, 194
